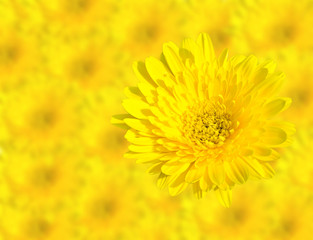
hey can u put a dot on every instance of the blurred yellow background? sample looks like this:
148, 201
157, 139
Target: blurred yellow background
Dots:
63, 67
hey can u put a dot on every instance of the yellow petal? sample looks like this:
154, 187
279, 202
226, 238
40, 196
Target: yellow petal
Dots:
174, 167
276, 106
197, 191
137, 108
162, 180
155, 168
157, 70
142, 148
145, 157
142, 73
189, 49
270, 65
289, 128
248, 67
134, 93
177, 184
237, 171
265, 154
148, 91
205, 43
260, 76
223, 57
224, 196
170, 52
269, 171
271, 84
205, 182
217, 173
118, 120
134, 137
194, 174
258, 169
140, 125
274, 136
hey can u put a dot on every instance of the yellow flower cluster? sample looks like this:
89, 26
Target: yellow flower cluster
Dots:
62, 172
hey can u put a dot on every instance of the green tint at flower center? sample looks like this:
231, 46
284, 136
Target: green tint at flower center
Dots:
207, 124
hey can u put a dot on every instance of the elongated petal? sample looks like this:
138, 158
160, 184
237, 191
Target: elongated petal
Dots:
276, 106
194, 174
155, 168
137, 108
205, 43
118, 120
274, 136
197, 191
225, 197
142, 73
237, 171
172, 58
177, 184
174, 167
162, 180
140, 125
217, 173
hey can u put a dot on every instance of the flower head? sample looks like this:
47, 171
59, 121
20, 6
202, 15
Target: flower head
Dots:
203, 120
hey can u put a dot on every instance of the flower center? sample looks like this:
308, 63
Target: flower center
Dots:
207, 124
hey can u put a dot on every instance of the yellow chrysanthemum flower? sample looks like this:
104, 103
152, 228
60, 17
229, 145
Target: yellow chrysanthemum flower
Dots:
41, 112
100, 209
90, 63
77, 15
43, 177
271, 27
242, 221
299, 87
37, 222
141, 34
19, 56
203, 120
291, 218
298, 165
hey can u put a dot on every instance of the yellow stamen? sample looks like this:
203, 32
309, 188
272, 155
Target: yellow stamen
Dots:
207, 124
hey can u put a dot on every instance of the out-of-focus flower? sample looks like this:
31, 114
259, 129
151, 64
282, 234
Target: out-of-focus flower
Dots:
100, 138
217, 18
203, 120
88, 63
299, 86
242, 220
271, 27
146, 25
43, 177
107, 208
37, 222
77, 16
18, 56
41, 112
297, 165
291, 218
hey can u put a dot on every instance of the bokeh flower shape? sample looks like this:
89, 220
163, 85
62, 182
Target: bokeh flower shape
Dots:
203, 120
